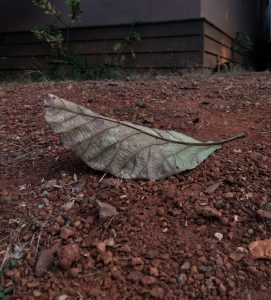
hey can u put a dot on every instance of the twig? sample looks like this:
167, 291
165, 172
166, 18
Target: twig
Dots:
38, 242
91, 274
110, 221
102, 177
69, 183
34, 71
3, 239
5, 257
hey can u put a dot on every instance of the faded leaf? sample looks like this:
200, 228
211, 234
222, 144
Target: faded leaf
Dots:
209, 212
49, 184
63, 297
124, 149
212, 188
68, 205
105, 210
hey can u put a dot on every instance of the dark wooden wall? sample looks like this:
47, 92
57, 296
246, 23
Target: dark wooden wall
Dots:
183, 44
218, 47
162, 45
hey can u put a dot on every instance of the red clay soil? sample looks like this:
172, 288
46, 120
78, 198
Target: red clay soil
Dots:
185, 237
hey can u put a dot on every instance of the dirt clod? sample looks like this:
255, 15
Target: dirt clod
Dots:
264, 214
107, 257
148, 280
66, 232
67, 255
209, 212
44, 261
158, 292
260, 249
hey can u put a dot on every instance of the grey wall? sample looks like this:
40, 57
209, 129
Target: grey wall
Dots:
22, 15
232, 15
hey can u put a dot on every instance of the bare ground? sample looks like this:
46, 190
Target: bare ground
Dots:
162, 244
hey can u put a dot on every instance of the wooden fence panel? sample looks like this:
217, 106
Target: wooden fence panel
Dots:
162, 45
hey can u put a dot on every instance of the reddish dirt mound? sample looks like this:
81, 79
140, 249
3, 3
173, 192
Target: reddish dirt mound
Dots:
185, 237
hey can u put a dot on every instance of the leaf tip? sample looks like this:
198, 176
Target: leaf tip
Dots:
48, 99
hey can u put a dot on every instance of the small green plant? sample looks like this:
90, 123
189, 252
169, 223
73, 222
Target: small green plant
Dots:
126, 45
5, 293
243, 43
75, 10
9, 264
64, 63
51, 34
244, 47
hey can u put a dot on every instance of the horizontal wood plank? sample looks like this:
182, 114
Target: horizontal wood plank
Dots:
166, 44
162, 45
143, 60
144, 30
22, 63
216, 48
210, 60
180, 28
155, 60
217, 35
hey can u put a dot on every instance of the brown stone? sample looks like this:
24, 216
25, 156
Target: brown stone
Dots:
110, 242
171, 191
264, 214
137, 261
134, 276
107, 257
68, 254
75, 271
260, 249
229, 195
194, 269
148, 280
36, 293
66, 232
101, 247
44, 261
32, 284
212, 188
209, 212
154, 271
236, 256
158, 292
115, 273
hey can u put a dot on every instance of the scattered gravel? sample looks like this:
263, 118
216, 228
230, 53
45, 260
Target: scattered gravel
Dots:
75, 233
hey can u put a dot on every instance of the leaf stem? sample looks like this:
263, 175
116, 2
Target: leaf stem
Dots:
230, 139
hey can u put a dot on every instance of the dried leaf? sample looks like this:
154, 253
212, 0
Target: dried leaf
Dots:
212, 188
63, 297
124, 149
209, 212
68, 205
105, 210
236, 256
49, 184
